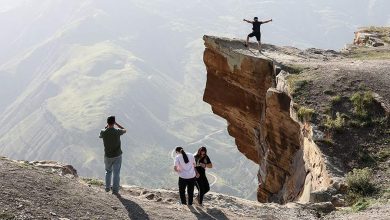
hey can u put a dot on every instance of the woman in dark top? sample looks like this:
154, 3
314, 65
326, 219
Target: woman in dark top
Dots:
202, 161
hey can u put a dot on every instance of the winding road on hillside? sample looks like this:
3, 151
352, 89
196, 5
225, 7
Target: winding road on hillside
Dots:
172, 153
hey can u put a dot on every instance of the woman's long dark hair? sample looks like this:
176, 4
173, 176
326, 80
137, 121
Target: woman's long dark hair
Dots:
200, 150
180, 150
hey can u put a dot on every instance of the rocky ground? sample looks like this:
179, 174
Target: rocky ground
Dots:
28, 191
31, 192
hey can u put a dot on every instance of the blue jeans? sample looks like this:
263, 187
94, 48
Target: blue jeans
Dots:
113, 164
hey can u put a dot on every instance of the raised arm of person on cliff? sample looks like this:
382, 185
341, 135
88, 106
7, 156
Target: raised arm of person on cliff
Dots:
247, 21
266, 21
120, 127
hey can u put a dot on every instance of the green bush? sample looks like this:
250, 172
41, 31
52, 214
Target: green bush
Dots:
361, 102
305, 114
360, 205
360, 182
335, 99
94, 182
336, 124
295, 68
296, 84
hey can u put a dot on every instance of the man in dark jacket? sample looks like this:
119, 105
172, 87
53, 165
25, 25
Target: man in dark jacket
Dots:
256, 31
112, 152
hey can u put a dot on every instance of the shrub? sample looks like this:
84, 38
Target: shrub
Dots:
359, 182
335, 99
336, 124
94, 182
361, 102
360, 205
296, 84
295, 68
305, 114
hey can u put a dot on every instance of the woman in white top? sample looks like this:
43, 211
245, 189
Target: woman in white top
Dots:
184, 166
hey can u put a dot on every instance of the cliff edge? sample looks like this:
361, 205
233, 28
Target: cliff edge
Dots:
279, 105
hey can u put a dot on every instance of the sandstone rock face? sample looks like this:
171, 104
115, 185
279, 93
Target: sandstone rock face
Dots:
242, 88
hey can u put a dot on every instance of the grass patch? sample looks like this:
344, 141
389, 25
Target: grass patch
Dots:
335, 99
297, 85
25, 165
305, 114
361, 102
336, 124
364, 54
361, 205
94, 182
384, 32
295, 68
360, 188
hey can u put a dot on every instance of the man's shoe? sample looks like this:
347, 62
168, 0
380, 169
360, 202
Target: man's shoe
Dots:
115, 193
107, 189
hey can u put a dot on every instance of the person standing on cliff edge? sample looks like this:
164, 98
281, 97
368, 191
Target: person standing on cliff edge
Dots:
255, 31
112, 153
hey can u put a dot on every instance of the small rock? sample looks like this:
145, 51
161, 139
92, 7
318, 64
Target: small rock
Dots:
114, 207
150, 196
169, 200
143, 192
64, 219
53, 214
159, 200
338, 202
320, 196
20, 206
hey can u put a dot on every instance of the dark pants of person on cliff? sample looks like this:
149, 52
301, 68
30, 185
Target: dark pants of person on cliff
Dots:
189, 184
203, 186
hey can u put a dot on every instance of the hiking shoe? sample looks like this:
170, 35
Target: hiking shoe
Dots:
115, 193
107, 189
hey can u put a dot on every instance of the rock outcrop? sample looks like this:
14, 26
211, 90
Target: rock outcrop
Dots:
372, 36
242, 87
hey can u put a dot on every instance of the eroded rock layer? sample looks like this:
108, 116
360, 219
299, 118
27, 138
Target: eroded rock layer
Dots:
241, 87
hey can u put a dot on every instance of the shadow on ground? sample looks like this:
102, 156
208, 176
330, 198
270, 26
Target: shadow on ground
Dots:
209, 214
135, 211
